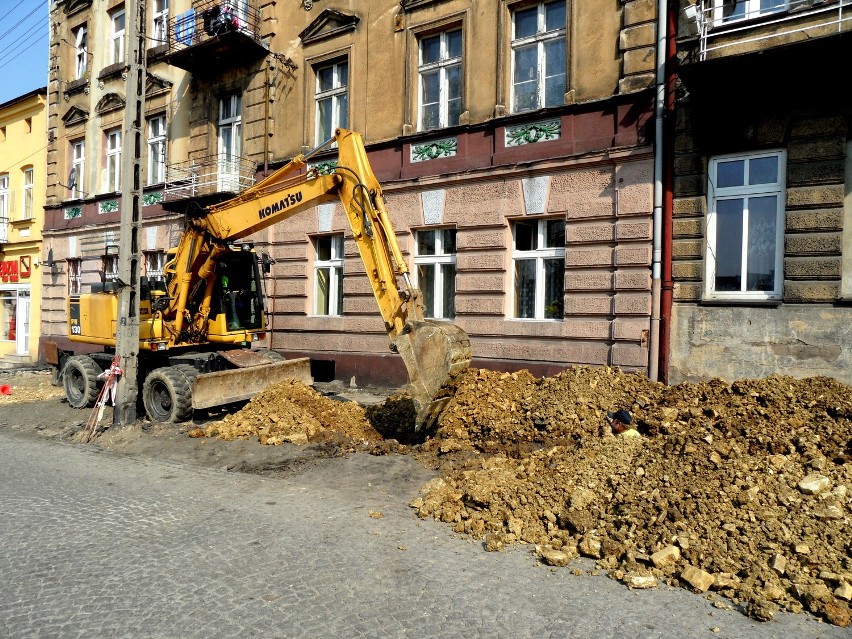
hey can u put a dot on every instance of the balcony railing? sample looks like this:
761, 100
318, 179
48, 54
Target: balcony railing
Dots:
722, 25
4, 229
226, 30
208, 176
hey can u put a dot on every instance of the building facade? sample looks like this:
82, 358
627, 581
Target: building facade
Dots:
513, 141
23, 127
762, 215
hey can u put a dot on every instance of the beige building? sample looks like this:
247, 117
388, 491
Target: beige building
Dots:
23, 126
513, 141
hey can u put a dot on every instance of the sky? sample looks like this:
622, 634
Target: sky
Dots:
23, 47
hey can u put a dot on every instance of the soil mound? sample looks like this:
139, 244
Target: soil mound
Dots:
289, 411
739, 488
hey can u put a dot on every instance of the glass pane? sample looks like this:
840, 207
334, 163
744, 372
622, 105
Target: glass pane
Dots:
322, 291
731, 173
430, 49
526, 79
426, 281
554, 82
554, 288
342, 111
555, 234
763, 170
449, 241
525, 288
343, 74
8, 312
760, 265
449, 293
337, 247
454, 82
325, 79
323, 249
323, 120
426, 242
729, 244
454, 44
526, 22
554, 16
431, 86
338, 274
431, 116
526, 236
768, 6
453, 112
119, 23
733, 9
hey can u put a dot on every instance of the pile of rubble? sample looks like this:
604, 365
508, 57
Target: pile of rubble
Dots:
289, 411
743, 488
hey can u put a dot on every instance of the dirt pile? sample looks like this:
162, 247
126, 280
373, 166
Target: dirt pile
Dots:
291, 412
27, 386
743, 488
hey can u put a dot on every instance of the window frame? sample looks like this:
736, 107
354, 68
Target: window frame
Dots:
110, 260
28, 210
540, 38
113, 161
160, 22
117, 49
81, 47
539, 255
335, 266
74, 266
157, 257
338, 119
436, 260
5, 196
442, 66
752, 9
156, 145
78, 163
714, 195
229, 152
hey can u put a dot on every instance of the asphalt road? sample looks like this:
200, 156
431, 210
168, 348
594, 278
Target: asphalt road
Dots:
94, 544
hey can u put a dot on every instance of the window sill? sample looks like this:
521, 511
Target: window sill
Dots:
112, 71
76, 86
26, 221
528, 320
741, 302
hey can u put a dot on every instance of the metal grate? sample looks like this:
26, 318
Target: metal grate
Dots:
210, 19
208, 175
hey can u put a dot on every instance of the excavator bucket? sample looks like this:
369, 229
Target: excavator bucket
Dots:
432, 352
240, 384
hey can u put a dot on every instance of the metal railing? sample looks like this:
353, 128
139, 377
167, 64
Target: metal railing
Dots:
208, 175
212, 18
737, 21
4, 229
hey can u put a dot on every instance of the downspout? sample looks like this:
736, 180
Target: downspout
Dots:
657, 256
266, 83
668, 205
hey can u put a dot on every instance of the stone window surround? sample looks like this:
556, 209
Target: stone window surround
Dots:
313, 63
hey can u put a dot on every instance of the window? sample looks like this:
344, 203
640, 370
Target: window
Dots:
332, 99
78, 166
154, 262
28, 194
81, 45
539, 264
733, 10
745, 226
117, 50
113, 161
8, 315
156, 150
110, 266
435, 259
4, 197
538, 56
160, 30
328, 274
230, 140
440, 80
75, 278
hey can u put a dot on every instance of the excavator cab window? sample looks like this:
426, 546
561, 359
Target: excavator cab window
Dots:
238, 293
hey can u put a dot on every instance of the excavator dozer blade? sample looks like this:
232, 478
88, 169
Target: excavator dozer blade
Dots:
240, 384
432, 352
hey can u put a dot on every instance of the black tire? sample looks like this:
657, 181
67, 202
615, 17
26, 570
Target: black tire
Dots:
80, 381
167, 395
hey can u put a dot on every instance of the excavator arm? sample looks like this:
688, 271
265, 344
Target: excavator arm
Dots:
431, 351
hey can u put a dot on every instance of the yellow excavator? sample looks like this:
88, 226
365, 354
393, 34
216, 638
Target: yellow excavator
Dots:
198, 323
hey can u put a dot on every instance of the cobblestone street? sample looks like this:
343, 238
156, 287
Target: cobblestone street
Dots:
103, 545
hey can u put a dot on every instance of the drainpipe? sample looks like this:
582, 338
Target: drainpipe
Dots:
657, 257
668, 204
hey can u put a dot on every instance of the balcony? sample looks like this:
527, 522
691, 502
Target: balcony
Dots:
215, 35
206, 180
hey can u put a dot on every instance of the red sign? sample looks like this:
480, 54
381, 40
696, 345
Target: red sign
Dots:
26, 265
9, 271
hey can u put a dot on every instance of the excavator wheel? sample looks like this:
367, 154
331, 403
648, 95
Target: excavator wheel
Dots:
80, 380
167, 394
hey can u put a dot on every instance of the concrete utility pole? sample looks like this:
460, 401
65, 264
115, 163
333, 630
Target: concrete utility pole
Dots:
129, 255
